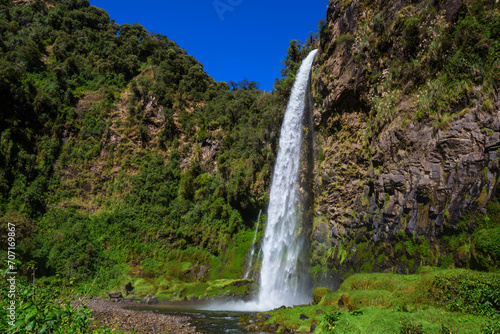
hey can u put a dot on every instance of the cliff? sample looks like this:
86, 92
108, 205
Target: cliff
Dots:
407, 115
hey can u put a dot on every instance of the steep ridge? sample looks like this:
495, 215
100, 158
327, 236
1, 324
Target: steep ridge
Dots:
408, 118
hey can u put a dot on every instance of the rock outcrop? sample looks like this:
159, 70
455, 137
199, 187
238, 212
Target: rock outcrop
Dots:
397, 177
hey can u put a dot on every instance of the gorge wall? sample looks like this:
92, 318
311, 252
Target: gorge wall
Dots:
407, 114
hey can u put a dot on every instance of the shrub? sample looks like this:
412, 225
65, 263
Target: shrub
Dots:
330, 320
38, 311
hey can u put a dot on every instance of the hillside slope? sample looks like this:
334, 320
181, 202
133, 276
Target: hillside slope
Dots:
120, 157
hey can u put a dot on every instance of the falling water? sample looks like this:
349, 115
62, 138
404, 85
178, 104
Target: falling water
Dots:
282, 281
252, 252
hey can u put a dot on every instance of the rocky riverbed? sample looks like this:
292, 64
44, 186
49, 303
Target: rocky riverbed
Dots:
116, 315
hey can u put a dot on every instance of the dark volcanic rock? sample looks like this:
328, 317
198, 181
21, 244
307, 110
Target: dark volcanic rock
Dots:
405, 178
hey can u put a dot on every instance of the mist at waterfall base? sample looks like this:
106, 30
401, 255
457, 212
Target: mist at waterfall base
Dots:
281, 281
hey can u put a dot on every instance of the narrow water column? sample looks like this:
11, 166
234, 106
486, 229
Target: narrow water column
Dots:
252, 252
281, 280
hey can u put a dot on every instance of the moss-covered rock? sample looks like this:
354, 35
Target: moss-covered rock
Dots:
319, 293
408, 139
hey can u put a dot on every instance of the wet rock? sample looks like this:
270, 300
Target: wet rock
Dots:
114, 295
273, 328
151, 300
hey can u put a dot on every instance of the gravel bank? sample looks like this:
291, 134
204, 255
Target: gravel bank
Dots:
114, 315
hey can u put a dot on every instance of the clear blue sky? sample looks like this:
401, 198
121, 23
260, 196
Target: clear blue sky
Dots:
233, 39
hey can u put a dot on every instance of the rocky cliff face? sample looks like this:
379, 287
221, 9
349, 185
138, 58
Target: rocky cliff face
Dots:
407, 115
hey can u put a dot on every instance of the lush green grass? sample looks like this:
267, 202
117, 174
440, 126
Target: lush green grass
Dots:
441, 301
372, 319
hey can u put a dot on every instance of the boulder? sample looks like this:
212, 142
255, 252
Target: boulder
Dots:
151, 300
114, 295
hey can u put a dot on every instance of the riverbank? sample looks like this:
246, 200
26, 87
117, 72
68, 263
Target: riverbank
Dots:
116, 315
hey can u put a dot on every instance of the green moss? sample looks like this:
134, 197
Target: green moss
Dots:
346, 39
483, 197
456, 241
487, 106
209, 290
424, 249
446, 261
344, 4
342, 254
366, 267
398, 247
382, 258
410, 247
319, 293
387, 199
487, 247
436, 299
143, 288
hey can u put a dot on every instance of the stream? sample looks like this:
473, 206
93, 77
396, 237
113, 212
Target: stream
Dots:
206, 322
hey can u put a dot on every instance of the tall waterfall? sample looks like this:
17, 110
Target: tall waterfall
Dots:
281, 282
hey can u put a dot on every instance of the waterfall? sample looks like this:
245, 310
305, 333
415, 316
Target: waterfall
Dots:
252, 252
281, 282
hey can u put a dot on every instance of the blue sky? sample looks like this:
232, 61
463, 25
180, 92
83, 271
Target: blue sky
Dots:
233, 39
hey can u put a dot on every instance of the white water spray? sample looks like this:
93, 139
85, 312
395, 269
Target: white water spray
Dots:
252, 252
281, 280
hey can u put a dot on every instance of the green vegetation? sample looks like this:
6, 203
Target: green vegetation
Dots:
433, 301
439, 64
319, 293
123, 161
418, 64
37, 311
